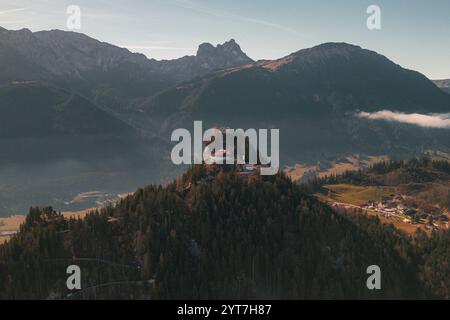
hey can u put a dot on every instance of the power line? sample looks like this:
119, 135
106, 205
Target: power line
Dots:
107, 284
110, 263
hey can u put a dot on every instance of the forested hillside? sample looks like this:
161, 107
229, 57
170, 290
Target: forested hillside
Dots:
424, 184
215, 234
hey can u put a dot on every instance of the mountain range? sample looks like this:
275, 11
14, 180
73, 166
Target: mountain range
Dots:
65, 96
333, 77
111, 76
314, 96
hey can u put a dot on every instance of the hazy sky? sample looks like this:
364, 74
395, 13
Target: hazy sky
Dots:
415, 33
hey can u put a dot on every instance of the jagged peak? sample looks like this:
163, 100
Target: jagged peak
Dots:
230, 47
230, 44
205, 47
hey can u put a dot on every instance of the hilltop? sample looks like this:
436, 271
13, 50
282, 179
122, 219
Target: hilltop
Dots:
212, 234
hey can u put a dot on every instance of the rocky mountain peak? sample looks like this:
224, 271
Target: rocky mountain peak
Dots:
78, 58
205, 49
230, 46
225, 55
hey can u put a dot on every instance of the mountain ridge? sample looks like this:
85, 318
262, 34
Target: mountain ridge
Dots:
301, 73
112, 77
313, 96
72, 52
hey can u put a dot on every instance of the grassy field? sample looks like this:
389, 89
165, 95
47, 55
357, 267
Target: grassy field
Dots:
357, 195
327, 168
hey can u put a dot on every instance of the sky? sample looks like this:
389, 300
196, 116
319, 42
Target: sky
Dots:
414, 33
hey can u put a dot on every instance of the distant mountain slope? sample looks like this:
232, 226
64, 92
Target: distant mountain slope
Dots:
312, 96
443, 84
37, 110
15, 66
40, 122
333, 77
113, 77
55, 144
